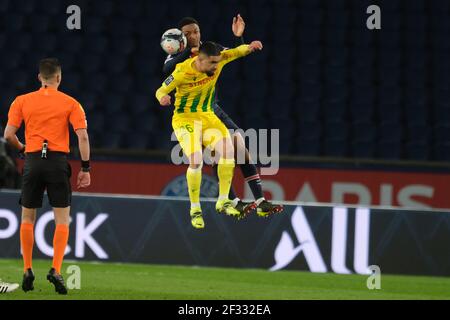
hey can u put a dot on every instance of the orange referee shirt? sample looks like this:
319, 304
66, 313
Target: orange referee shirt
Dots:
47, 113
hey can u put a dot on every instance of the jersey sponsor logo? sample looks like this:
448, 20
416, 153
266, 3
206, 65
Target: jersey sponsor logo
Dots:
169, 80
201, 82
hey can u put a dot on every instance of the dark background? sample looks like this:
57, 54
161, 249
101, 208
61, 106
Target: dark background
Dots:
333, 87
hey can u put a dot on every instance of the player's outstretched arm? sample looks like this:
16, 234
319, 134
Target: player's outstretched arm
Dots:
240, 51
255, 46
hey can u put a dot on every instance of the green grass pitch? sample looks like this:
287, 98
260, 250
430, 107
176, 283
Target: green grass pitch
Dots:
137, 281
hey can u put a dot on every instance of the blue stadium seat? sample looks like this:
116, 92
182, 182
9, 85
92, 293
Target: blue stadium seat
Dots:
390, 150
335, 75
13, 22
310, 55
130, 10
112, 140
95, 82
102, 8
71, 83
4, 6
390, 131
310, 18
415, 7
390, 39
308, 147
419, 133
137, 141
306, 5
89, 101
362, 38
336, 37
89, 62
337, 130
116, 64
416, 111
390, 21
45, 43
363, 149
442, 132
113, 103
362, 57
439, 6
20, 79
121, 27
364, 131
335, 110
73, 43
146, 123
24, 7
441, 151
10, 60
96, 120
308, 36
307, 110
335, 147
122, 45
309, 74
417, 150
119, 122
310, 130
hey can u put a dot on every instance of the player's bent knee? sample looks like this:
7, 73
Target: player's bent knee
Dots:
228, 151
195, 160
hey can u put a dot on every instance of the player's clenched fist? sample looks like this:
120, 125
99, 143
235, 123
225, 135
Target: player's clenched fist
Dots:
165, 101
255, 45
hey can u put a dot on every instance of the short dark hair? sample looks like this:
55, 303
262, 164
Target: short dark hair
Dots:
48, 67
185, 21
209, 48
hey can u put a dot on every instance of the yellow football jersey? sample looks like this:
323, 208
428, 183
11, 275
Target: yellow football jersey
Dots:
195, 91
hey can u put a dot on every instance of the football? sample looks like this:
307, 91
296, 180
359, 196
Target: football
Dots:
173, 41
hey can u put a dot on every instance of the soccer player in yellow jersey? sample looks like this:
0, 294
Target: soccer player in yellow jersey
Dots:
195, 123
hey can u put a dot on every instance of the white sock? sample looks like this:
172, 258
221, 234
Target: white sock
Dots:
235, 202
195, 205
223, 198
258, 202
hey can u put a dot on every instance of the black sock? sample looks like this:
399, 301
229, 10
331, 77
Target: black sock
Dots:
252, 178
231, 194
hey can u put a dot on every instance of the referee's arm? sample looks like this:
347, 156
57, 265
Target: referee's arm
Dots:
83, 144
11, 137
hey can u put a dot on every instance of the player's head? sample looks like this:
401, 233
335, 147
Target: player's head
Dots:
208, 58
50, 71
191, 29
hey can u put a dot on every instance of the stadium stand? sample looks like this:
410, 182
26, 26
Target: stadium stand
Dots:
332, 86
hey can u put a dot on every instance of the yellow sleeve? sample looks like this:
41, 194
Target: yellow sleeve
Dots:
169, 84
233, 54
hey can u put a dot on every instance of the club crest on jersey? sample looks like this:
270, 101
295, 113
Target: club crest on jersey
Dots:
168, 80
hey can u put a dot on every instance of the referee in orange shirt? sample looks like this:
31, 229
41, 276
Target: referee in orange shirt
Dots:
47, 113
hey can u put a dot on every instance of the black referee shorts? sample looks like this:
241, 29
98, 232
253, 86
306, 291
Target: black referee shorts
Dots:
52, 174
225, 118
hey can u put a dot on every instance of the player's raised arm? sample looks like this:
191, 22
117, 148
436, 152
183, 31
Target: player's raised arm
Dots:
238, 27
241, 51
